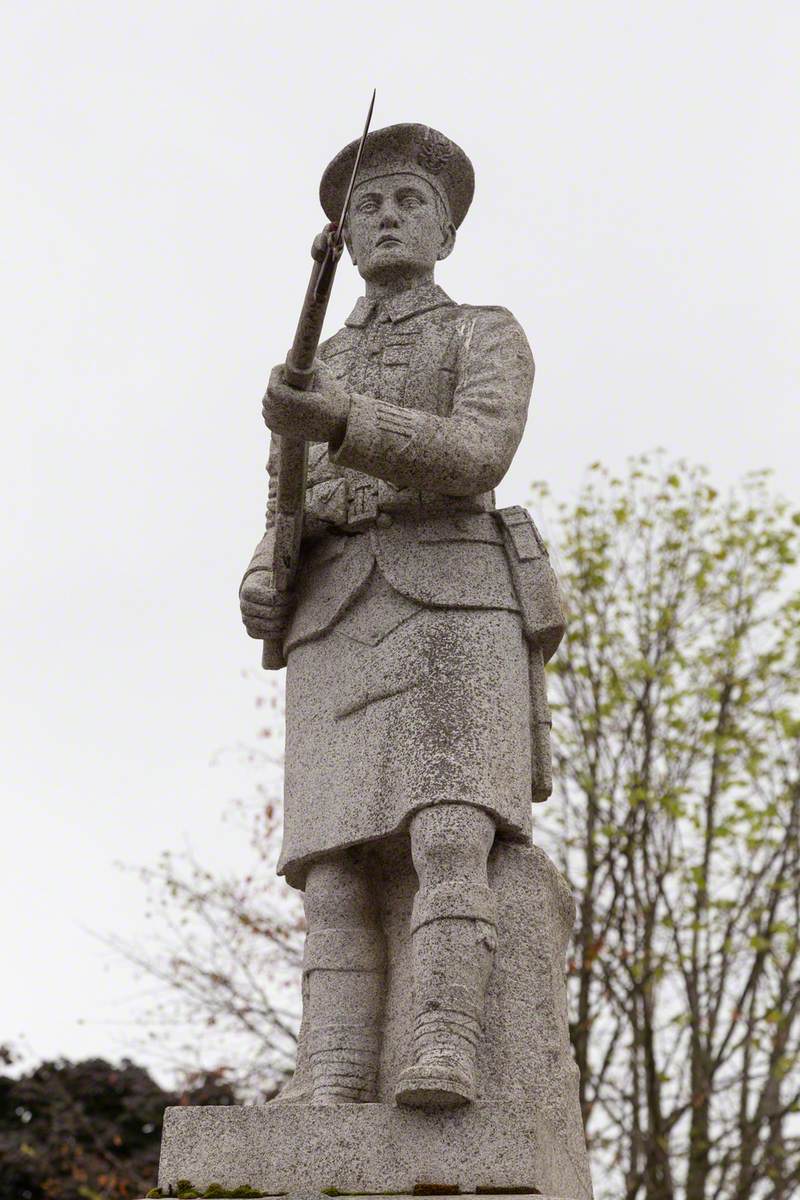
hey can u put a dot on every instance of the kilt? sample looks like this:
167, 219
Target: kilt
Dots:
397, 707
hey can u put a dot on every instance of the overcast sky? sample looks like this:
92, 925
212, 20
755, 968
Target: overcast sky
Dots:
636, 201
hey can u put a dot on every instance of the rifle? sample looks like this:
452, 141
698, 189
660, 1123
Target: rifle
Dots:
299, 372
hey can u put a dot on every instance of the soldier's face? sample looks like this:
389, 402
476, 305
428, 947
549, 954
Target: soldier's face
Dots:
397, 226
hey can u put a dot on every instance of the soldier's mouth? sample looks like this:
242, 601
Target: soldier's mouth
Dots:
388, 239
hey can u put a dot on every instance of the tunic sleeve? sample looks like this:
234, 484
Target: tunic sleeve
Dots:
467, 452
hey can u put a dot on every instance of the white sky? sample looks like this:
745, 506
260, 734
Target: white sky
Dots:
637, 186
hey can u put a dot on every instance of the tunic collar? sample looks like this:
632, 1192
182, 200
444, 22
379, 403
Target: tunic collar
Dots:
404, 304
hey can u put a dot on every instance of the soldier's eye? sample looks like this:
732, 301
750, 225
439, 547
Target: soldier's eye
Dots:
367, 206
411, 202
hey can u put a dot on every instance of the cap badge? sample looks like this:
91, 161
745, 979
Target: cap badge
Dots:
435, 152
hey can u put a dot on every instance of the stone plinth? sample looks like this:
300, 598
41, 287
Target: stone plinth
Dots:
371, 1148
525, 1052
523, 1135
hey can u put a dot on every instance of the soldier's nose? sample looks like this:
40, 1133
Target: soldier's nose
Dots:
389, 220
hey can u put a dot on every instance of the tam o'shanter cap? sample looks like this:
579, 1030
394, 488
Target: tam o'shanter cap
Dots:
412, 149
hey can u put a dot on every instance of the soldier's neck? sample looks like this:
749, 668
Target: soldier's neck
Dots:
396, 283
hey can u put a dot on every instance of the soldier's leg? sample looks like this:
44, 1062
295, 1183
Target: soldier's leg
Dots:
343, 969
453, 944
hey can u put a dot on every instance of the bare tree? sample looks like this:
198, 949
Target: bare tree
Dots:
678, 769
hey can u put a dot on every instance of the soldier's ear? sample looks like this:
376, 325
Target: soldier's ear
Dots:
448, 240
348, 242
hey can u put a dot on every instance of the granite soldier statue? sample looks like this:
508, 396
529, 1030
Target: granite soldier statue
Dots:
417, 630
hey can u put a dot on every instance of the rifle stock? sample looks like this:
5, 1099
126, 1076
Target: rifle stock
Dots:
293, 451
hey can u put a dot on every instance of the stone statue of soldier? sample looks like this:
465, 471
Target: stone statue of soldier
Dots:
415, 620
417, 632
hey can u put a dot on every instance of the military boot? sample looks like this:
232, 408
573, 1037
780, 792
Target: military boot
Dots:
453, 945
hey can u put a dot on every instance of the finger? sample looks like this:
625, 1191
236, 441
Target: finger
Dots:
278, 386
279, 410
264, 631
258, 612
269, 601
275, 620
285, 396
322, 373
254, 591
277, 375
255, 612
275, 404
300, 417
281, 395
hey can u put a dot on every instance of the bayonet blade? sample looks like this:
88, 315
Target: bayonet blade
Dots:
356, 165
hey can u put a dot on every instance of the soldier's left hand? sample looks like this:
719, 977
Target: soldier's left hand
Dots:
319, 415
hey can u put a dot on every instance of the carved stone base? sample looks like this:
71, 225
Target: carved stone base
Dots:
372, 1148
525, 1047
524, 1134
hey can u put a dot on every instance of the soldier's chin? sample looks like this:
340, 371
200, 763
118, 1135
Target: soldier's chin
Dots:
393, 259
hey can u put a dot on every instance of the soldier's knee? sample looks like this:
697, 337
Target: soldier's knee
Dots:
451, 841
337, 894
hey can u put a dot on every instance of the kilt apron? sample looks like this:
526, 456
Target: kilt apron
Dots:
396, 705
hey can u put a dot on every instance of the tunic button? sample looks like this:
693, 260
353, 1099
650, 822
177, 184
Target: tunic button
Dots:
383, 520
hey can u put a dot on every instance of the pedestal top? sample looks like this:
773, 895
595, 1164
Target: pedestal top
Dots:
374, 1149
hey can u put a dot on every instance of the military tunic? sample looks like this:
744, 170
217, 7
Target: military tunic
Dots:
407, 677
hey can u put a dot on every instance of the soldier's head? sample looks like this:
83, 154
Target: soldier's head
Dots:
413, 190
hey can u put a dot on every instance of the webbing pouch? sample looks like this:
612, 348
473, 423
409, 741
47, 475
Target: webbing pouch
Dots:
534, 580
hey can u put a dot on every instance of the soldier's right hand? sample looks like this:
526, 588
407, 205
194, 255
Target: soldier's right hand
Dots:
265, 613
319, 246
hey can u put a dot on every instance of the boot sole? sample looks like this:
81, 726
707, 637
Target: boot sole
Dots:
423, 1092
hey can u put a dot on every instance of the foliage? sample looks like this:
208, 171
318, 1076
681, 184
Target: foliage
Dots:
676, 724
87, 1130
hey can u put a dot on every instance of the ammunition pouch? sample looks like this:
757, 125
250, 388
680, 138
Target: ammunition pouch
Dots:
534, 580
539, 598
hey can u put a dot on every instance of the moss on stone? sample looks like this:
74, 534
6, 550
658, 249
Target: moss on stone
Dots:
185, 1190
